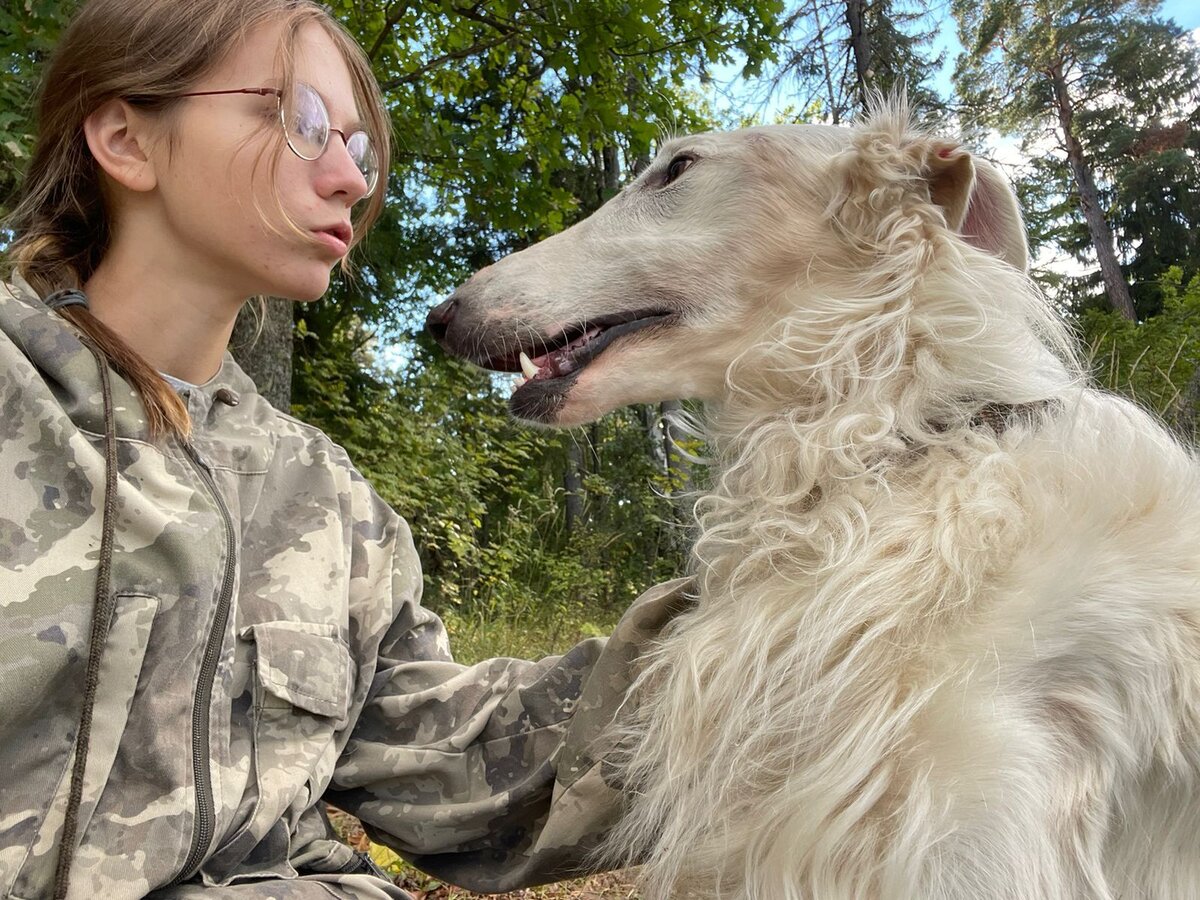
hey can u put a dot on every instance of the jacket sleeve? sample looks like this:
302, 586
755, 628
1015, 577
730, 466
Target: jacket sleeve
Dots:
489, 776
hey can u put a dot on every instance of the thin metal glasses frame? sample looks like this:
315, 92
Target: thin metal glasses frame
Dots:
277, 93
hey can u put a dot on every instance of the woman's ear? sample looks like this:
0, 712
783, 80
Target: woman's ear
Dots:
119, 138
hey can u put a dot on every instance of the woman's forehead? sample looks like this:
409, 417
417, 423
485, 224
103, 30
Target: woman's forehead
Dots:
255, 62
253, 58
319, 62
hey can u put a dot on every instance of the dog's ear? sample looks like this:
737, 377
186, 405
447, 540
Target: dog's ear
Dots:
977, 202
951, 174
889, 164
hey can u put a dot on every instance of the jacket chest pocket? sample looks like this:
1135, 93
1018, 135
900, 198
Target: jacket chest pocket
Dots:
302, 687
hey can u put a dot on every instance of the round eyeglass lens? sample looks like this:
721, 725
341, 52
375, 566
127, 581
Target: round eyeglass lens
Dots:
364, 156
306, 121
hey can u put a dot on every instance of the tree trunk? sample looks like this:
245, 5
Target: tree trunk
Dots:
612, 172
835, 113
266, 354
595, 506
1185, 418
594, 447
573, 485
652, 422
1089, 201
860, 43
680, 480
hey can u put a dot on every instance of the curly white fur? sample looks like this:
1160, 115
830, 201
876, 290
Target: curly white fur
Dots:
928, 658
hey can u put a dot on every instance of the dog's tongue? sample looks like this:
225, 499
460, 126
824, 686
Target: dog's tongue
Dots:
551, 365
557, 362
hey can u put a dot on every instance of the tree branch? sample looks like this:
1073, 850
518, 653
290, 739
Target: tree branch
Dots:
682, 42
415, 74
492, 22
392, 18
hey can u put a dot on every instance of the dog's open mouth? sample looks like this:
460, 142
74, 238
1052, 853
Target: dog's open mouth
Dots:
543, 359
550, 365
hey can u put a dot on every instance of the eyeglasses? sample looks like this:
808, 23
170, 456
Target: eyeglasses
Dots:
306, 126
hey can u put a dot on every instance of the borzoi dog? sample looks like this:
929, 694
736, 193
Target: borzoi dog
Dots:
946, 639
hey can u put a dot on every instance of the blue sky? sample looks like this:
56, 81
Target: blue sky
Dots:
1185, 12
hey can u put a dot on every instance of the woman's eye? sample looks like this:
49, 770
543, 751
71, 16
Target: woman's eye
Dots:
678, 166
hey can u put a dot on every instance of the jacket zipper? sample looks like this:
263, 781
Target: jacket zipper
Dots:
202, 833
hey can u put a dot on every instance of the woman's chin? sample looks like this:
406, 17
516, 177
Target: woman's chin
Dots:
304, 287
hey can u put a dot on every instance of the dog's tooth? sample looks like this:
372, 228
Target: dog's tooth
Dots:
527, 366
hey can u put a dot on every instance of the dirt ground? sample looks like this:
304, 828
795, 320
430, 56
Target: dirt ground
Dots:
609, 886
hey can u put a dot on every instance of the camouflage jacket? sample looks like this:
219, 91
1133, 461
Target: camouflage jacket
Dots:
267, 649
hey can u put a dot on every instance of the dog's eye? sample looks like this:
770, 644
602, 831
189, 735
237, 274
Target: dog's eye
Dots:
678, 166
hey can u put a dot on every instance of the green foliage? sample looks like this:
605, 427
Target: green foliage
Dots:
1134, 107
1141, 133
1154, 362
817, 66
484, 496
1144, 135
28, 31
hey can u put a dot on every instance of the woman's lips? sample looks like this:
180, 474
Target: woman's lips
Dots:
333, 241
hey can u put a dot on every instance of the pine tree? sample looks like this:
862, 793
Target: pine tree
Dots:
1144, 136
1073, 72
838, 51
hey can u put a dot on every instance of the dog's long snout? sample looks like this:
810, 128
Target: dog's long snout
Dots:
439, 318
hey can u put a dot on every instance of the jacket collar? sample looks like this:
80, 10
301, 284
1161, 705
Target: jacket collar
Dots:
232, 425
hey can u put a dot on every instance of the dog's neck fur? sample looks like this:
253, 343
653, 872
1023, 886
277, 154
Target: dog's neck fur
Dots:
813, 441
855, 375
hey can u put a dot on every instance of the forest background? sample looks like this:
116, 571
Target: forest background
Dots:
515, 118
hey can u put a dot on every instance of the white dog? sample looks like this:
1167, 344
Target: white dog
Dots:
947, 635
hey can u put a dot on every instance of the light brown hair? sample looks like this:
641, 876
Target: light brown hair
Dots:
147, 52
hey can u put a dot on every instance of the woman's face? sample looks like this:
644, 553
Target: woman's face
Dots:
214, 182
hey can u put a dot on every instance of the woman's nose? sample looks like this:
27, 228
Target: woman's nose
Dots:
348, 178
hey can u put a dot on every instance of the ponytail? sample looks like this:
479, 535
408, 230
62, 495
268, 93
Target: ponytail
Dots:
166, 414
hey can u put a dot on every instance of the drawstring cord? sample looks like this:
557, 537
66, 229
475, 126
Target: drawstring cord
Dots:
102, 611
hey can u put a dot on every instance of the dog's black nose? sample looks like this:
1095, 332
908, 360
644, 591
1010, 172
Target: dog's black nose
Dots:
439, 319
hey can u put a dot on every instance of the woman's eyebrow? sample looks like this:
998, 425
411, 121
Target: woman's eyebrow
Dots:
351, 126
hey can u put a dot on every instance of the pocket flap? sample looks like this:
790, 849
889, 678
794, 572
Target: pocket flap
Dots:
307, 665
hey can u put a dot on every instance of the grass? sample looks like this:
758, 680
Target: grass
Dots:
607, 886
472, 640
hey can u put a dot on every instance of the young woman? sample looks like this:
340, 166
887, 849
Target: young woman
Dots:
208, 620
